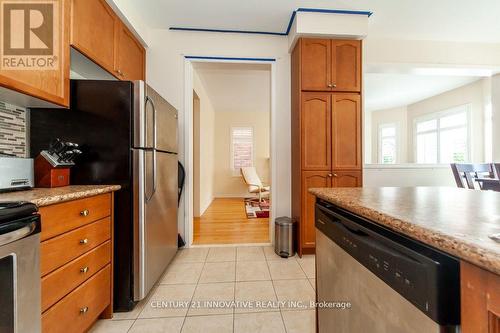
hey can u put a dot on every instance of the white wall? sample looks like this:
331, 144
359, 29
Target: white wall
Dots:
495, 105
226, 183
468, 94
204, 180
165, 72
407, 175
396, 116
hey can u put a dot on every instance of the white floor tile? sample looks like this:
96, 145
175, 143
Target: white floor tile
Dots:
248, 294
219, 292
195, 254
265, 322
286, 269
182, 273
219, 254
307, 263
250, 253
252, 271
297, 294
157, 325
111, 326
300, 321
218, 272
208, 324
169, 301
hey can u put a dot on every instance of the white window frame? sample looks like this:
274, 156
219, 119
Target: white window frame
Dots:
396, 138
237, 173
437, 116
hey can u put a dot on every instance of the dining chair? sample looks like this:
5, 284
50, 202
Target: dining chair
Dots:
465, 174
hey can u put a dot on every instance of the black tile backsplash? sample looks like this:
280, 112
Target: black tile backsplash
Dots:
13, 129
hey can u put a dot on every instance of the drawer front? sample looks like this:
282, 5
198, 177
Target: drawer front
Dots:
59, 250
78, 311
63, 217
59, 283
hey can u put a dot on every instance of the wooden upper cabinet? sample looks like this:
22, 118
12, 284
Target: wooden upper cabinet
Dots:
93, 31
346, 179
346, 132
98, 33
48, 84
316, 134
311, 179
129, 55
346, 65
330, 65
316, 64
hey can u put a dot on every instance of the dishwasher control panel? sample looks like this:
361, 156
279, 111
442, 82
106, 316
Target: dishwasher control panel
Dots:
426, 277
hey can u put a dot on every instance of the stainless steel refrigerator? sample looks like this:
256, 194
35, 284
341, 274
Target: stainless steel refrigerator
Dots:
128, 135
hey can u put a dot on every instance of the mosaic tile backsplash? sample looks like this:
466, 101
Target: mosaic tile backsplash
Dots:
12, 130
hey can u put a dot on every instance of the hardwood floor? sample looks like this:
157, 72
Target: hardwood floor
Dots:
225, 222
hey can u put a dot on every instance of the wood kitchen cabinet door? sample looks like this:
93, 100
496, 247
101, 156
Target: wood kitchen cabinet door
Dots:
346, 65
346, 132
47, 84
316, 64
480, 299
93, 31
316, 133
346, 179
310, 179
129, 55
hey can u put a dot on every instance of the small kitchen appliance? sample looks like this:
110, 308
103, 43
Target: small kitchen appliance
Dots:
16, 173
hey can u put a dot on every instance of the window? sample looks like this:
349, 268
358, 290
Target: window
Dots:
241, 148
443, 137
387, 144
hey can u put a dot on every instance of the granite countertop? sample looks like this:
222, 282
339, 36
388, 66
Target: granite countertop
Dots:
49, 196
456, 221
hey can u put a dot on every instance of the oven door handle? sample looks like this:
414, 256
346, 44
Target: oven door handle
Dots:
18, 233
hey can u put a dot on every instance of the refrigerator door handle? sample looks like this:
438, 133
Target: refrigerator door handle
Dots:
147, 196
155, 178
155, 144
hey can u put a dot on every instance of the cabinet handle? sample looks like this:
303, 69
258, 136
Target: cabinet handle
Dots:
84, 241
332, 85
84, 270
84, 212
84, 310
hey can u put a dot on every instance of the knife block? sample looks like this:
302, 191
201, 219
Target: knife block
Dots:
47, 175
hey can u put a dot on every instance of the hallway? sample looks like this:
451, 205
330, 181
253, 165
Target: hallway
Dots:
225, 222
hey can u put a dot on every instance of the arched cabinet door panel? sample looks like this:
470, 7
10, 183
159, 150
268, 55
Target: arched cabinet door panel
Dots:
316, 65
316, 133
346, 132
346, 65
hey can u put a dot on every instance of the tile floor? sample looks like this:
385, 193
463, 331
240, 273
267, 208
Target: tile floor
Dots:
244, 277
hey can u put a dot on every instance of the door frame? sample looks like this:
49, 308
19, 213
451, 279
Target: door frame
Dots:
188, 138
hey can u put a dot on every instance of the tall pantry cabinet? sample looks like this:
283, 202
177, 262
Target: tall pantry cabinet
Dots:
326, 125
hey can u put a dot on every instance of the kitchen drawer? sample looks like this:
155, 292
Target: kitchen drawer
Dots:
63, 217
59, 250
79, 310
59, 283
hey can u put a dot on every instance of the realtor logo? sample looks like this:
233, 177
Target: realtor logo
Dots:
29, 34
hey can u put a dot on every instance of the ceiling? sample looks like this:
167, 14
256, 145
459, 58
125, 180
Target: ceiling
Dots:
446, 20
236, 87
387, 90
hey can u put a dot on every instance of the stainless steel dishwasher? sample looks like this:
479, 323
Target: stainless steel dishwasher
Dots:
393, 283
20, 300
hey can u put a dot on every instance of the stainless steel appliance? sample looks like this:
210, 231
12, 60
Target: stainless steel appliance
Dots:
20, 300
128, 136
284, 233
392, 283
15, 173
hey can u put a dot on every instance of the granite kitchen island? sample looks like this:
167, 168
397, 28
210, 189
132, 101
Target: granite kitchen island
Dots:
464, 224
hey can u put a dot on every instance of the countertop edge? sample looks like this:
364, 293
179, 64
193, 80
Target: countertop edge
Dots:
79, 194
453, 246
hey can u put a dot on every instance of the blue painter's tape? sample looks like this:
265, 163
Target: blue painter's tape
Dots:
290, 22
230, 31
229, 58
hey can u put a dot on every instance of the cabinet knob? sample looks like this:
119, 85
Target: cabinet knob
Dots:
330, 175
334, 175
84, 310
84, 241
84, 269
332, 85
84, 212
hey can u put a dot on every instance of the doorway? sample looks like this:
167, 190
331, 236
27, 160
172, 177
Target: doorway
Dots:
231, 128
